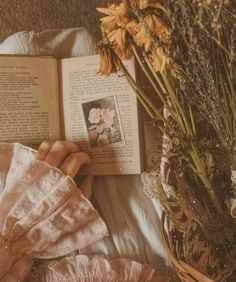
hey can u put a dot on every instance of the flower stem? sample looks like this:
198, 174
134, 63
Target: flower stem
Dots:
188, 130
185, 131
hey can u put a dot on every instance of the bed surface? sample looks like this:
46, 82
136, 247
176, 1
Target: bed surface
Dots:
131, 216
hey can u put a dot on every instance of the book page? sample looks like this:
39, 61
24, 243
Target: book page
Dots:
100, 113
29, 99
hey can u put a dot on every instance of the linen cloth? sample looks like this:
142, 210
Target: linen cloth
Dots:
132, 218
95, 269
42, 212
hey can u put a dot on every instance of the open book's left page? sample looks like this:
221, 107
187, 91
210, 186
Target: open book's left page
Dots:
29, 100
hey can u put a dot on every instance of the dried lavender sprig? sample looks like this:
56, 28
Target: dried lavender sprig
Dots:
185, 130
208, 65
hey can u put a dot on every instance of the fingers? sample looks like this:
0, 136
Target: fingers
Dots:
55, 154
73, 162
43, 150
59, 152
86, 186
66, 156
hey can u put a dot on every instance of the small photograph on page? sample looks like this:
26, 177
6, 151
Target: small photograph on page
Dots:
103, 122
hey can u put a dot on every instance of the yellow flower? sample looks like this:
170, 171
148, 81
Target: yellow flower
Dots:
116, 17
141, 4
109, 63
117, 36
142, 37
157, 26
159, 60
131, 27
125, 53
119, 43
143, 33
113, 26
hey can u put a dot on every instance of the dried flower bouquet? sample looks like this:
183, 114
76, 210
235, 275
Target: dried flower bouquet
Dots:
186, 51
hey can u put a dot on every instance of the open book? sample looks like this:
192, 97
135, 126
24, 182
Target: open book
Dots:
43, 98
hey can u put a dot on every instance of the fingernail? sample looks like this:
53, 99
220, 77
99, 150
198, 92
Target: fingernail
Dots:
45, 145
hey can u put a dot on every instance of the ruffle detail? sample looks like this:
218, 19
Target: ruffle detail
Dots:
96, 269
6, 154
42, 212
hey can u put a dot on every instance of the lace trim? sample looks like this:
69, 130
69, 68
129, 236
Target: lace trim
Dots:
151, 181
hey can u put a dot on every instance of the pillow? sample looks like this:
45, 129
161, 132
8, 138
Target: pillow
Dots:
62, 43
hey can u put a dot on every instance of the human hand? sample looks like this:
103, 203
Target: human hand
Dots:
67, 157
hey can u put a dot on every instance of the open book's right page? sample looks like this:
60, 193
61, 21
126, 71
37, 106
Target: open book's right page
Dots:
101, 114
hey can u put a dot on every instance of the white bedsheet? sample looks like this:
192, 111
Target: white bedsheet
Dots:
132, 217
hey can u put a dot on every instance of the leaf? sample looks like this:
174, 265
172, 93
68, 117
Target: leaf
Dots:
107, 11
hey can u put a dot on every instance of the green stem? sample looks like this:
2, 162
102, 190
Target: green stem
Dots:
151, 80
196, 164
140, 93
174, 112
154, 73
200, 170
180, 112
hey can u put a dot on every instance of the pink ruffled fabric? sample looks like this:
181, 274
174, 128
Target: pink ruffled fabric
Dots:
44, 215
85, 269
42, 212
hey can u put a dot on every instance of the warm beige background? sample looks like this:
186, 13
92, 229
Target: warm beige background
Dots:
17, 15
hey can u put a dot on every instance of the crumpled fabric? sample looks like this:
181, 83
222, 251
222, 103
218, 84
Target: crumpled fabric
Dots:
60, 43
84, 269
119, 198
42, 212
44, 215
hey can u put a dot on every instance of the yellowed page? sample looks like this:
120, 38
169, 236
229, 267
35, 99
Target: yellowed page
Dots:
100, 113
29, 99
